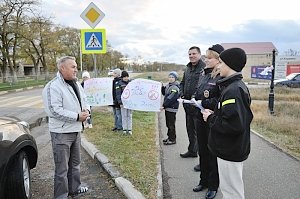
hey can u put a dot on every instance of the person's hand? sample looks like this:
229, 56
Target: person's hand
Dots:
180, 100
83, 115
161, 108
206, 113
162, 84
193, 100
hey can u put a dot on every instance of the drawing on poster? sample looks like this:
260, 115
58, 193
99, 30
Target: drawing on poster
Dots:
142, 95
98, 91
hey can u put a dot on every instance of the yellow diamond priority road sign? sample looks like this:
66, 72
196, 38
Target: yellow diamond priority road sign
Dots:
92, 15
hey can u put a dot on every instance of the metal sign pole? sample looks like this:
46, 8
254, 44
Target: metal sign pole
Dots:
80, 52
95, 63
271, 94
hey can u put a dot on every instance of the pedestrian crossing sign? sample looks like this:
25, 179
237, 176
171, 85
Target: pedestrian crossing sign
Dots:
93, 41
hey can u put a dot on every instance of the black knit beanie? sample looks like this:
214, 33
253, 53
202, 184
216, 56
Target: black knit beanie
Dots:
217, 48
124, 74
235, 58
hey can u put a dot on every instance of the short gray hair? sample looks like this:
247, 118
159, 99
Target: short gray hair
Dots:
61, 60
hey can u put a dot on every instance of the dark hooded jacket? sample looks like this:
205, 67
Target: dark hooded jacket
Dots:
171, 93
114, 91
229, 136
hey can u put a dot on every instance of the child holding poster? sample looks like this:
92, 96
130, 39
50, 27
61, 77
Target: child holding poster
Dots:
88, 122
126, 113
170, 105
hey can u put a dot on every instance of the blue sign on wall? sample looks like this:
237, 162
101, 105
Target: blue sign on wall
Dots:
261, 72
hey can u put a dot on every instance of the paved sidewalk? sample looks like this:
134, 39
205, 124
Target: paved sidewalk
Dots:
269, 173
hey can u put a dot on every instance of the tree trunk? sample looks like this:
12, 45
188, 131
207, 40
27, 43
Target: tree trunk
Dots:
14, 77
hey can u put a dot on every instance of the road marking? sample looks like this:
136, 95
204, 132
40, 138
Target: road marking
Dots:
3, 100
17, 102
37, 103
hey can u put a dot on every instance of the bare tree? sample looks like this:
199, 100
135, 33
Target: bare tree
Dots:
291, 52
11, 19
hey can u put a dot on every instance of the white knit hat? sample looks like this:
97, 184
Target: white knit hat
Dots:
85, 74
118, 72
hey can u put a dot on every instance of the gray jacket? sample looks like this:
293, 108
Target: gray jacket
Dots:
62, 105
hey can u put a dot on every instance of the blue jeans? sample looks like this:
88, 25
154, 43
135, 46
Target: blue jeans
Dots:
117, 117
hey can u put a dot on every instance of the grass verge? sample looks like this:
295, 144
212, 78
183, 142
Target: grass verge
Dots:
282, 128
135, 156
21, 84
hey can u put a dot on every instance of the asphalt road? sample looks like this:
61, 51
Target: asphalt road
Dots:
92, 175
268, 172
26, 105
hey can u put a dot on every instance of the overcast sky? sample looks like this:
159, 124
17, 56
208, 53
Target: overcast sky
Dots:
163, 30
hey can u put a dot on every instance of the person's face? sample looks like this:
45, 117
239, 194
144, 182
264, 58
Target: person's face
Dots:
69, 69
224, 69
125, 79
211, 61
85, 78
115, 74
171, 78
194, 56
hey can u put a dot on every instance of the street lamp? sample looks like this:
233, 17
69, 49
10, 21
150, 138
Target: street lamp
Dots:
271, 94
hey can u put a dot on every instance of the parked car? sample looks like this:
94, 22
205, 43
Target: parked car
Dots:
110, 73
292, 80
18, 154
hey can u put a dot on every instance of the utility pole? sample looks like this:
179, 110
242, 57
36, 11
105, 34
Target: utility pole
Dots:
95, 67
271, 94
80, 54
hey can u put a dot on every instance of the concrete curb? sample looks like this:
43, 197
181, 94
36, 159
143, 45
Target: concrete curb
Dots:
123, 185
159, 193
20, 89
128, 189
274, 145
3, 92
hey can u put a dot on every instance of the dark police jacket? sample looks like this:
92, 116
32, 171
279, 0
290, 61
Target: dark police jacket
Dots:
189, 84
229, 136
208, 90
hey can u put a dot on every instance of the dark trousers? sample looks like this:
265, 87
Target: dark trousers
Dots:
66, 153
209, 175
192, 127
170, 123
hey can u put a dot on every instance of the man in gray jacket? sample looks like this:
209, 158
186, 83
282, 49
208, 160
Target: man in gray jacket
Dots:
65, 104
